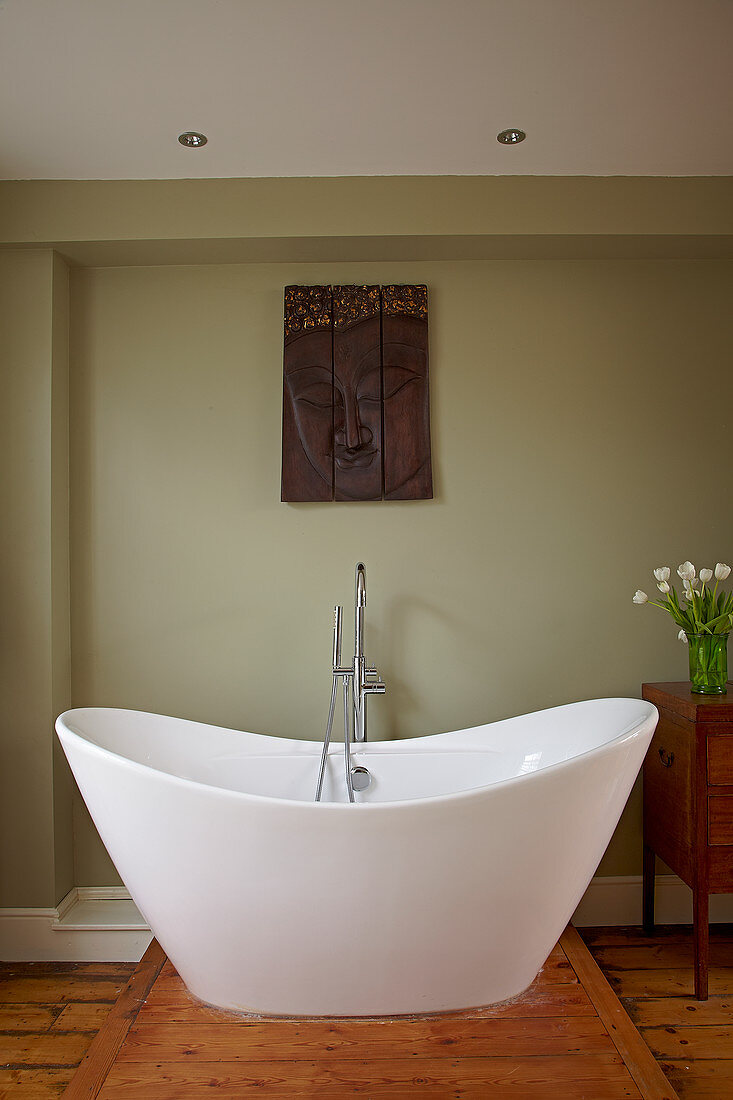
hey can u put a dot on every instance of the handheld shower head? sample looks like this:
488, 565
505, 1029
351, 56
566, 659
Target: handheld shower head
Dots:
338, 612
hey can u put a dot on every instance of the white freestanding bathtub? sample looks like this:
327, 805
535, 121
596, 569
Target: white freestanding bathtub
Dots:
445, 886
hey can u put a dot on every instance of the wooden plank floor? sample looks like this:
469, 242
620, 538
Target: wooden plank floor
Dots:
49, 1016
50, 1013
652, 977
564, 1036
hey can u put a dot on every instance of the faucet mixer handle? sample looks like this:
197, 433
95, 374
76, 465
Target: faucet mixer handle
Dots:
374, 687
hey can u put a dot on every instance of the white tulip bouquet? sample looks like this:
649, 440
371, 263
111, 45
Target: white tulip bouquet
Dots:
705, 610
705, 620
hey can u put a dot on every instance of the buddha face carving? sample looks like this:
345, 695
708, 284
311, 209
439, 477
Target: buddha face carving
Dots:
309, 389
406, 412
355, 409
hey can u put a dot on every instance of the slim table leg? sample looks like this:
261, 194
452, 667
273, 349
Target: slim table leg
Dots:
701, 938
650, 861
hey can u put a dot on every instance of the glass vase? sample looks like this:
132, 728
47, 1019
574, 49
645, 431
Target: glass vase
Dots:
708, 663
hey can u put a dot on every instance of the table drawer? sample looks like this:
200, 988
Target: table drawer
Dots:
720, 819
669, 822
720, 758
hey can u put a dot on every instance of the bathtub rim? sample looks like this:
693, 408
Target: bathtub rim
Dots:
406, 803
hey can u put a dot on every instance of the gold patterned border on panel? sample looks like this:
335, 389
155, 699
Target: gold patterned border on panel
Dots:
411, 301
306, 308
354, 303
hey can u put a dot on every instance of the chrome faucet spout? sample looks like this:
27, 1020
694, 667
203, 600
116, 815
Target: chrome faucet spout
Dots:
359, 605
361, 685
361, 584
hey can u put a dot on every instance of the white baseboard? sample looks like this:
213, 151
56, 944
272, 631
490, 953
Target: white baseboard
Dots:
617, 901
102, 924
91, 924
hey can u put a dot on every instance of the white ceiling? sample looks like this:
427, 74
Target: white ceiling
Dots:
100, 89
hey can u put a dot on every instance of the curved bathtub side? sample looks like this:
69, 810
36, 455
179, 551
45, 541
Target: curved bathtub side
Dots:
285, 908
175, 745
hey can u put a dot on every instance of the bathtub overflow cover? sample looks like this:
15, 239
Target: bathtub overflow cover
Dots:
360, 778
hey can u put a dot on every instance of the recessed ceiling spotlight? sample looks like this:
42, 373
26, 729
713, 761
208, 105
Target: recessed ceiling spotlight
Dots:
511, 137
192, 140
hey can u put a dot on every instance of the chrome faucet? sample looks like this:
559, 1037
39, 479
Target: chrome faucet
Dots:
361, 685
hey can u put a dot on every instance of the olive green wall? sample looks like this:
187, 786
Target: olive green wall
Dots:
36, 865
564, 396
298, 211
581, 390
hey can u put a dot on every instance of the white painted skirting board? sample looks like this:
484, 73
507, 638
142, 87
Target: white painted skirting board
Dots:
102, 924
617, 901
91, 924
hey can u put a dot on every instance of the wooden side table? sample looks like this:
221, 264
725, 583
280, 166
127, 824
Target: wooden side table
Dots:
688, 803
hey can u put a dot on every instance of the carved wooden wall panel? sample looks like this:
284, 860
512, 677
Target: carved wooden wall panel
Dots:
407, 465
307, 471
356, 414
357, 393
